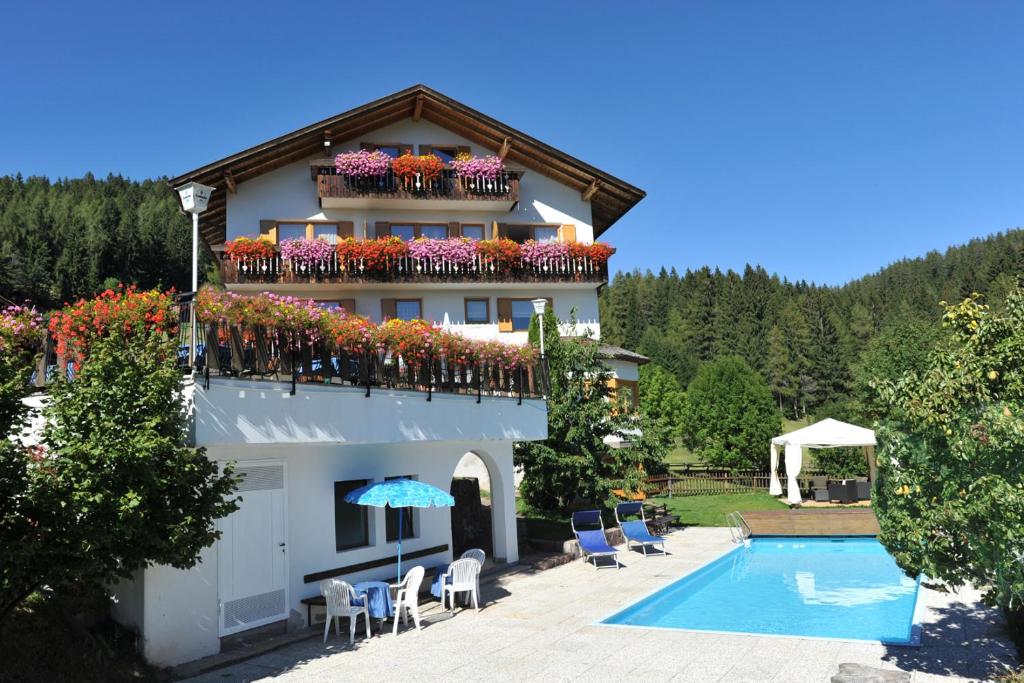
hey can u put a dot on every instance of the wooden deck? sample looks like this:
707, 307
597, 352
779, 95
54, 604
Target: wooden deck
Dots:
848, 522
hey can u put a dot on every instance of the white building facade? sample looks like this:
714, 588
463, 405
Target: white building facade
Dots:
303, 445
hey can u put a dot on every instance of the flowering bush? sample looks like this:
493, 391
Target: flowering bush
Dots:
598, 252
362, 164
122, 311
488, 168
244, 248
352, 333
538, 253
502, 251
306, 251
407, 338
21, 329
428, 167
376, 254
457, 250
266, 310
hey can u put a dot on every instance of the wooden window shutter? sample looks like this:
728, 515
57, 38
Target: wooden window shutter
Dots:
349, 305
504, 314
389, 309
268, 229
454, 229
494, 230
426, 149
381, 229
346, 229
567, 233
462, 149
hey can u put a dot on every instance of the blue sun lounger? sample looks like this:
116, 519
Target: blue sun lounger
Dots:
593, 543
635, 531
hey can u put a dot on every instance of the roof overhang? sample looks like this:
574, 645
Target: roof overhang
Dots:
609, 196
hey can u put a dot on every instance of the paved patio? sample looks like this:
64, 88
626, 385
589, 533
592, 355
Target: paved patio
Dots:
542, 627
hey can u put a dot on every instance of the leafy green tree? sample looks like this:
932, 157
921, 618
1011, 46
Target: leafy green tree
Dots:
118, 488
662, 400
574, 462
949, 497
902, 347
730, 416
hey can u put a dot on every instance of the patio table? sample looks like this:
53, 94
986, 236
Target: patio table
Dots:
378, 593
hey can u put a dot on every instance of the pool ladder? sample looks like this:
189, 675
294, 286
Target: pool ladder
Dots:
738, 527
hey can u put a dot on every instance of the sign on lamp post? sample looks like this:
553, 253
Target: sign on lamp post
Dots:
194, 199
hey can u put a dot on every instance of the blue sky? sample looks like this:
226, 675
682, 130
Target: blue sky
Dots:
822, 140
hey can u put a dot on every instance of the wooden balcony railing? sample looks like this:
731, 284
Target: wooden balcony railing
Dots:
409, 269
265, 354
331, 184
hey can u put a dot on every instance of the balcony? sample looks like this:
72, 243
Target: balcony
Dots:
448, 192
338, 270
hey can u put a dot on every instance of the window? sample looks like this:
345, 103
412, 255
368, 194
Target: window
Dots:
408, 309
540, 233
393, 515
392, 149
404, 232
515, 314
434, 232
445, 154
522, 311
291, 231
478, 311
351, 521
473, 232
326, 231
329, 305
543, 233
347, 305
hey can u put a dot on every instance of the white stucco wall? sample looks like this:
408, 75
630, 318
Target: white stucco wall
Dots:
623, 369
288, 193
241, 412
180, 609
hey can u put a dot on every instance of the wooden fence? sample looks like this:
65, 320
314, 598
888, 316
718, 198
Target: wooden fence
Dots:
701, 481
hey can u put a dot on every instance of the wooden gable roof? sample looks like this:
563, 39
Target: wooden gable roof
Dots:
610, 197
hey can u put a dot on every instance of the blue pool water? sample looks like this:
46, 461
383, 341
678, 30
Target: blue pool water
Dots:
847, 588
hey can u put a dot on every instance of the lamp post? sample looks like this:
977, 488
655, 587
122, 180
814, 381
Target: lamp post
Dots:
194, 198
538, 307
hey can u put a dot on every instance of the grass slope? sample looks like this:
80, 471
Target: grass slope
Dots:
711, 510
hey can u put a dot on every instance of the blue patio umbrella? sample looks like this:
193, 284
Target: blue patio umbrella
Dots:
400, 493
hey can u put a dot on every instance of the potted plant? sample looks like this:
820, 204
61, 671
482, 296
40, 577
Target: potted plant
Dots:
478, 174
306, 254
364, 167
418, 171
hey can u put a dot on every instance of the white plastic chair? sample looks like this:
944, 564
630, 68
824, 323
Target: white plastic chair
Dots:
462, 577
338, 596
407, 598
478, 555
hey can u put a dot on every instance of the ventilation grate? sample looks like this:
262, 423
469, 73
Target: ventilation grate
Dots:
253, 608
261, 478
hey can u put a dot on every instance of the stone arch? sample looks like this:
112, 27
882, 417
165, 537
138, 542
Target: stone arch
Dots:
500, 476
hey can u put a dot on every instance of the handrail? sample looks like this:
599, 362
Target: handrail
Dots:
739, 530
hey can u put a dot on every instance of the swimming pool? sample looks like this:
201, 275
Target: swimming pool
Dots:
838, 588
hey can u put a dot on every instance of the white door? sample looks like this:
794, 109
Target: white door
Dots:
252, 553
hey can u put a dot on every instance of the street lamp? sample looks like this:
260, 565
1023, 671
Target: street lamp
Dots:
194, 198
538, 307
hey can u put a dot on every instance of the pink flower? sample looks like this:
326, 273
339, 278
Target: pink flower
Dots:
363, 163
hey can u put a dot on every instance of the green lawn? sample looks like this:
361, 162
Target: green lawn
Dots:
711, 510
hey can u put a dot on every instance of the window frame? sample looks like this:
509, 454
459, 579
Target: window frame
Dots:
487, 310
506, 326
532, 227
309, 225
419, 303
417, 228
364, 512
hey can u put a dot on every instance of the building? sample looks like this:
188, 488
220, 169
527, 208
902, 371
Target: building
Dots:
303, 445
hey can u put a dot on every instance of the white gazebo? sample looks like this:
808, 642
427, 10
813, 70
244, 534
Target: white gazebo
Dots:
828, 433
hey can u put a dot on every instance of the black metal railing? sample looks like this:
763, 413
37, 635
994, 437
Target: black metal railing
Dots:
447, 185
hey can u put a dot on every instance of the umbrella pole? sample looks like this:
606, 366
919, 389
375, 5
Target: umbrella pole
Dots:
401, 516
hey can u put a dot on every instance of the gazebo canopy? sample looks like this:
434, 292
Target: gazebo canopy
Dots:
828, 433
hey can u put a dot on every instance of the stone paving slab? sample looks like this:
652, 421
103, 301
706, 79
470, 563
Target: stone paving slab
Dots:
543, 627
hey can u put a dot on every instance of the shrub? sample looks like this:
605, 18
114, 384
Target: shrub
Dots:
730, 416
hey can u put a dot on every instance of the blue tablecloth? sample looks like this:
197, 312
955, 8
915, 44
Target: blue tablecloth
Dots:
379, 595
435, 585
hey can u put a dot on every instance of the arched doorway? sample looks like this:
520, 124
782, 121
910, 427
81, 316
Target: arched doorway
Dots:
472, 516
